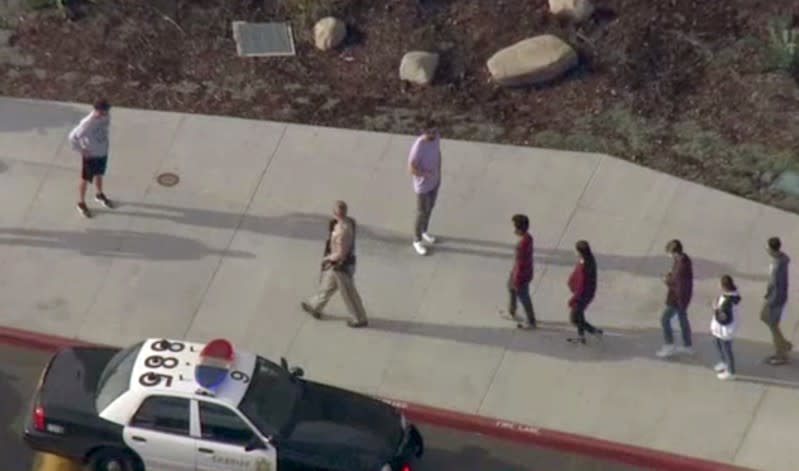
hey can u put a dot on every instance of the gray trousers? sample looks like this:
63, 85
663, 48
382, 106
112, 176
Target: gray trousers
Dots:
343, 282
425, 202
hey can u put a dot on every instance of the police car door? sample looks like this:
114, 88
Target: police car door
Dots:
224, 439
159, 432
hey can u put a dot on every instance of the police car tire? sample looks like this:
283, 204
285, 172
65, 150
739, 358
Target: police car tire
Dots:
103, 458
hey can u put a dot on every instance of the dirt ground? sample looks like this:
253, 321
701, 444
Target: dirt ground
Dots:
683, 86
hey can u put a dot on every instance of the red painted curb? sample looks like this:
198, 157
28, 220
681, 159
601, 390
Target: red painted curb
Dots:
579, 444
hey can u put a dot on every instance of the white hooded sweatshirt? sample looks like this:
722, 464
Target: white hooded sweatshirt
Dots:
725, 315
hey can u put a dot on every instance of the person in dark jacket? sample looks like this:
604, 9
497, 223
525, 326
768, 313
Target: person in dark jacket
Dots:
582, 284
522, 273
775, 299
679, 282
723, 325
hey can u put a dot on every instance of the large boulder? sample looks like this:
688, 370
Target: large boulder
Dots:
575, 10
418, 67
534, 60
329, 32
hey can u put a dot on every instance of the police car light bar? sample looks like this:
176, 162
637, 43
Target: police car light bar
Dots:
216, 359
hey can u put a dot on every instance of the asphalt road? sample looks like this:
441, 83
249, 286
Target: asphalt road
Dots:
446, 449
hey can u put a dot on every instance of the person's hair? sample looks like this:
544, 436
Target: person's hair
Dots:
728, 283
774, 244
674, 246
101, 104
521, 222
341, 207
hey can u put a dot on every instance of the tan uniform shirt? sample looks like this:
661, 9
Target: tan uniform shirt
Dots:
341, 241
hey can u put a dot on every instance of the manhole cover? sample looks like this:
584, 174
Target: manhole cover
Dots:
263, 39
168, 179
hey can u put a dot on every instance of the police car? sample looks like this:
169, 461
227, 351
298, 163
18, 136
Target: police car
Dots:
166, 405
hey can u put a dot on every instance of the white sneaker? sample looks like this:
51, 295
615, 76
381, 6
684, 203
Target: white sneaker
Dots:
666, 351
720, 366
685, 350
725, 376
428, 238
419, 247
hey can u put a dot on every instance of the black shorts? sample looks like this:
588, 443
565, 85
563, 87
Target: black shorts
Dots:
93, 167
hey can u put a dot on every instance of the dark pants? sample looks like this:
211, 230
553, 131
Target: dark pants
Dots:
522, 295
685, 326
577, 317
725, 351
425, 202
771, 315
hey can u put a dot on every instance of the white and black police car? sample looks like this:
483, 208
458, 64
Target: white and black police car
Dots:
166, 405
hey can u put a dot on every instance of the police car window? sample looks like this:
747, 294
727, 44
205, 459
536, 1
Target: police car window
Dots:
270, 399
163, 414
220, 424
115, 378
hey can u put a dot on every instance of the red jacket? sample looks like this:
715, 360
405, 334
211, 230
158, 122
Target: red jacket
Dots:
523, 265
582, 284
680, 283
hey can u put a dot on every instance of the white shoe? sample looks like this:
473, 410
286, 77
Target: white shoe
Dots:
428, 238
420, 249
685, 350
725, 376
720, 366
666, 351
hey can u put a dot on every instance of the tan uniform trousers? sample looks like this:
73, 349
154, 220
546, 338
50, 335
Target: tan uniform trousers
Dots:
343, 282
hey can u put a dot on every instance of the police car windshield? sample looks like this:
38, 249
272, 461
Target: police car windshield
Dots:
115, 378
269, 401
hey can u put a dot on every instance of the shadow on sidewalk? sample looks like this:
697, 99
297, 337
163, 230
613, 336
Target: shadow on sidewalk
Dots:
616, 345
310, 226
39, 116
119, 244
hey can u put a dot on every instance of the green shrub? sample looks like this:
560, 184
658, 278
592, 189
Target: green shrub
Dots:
783, 45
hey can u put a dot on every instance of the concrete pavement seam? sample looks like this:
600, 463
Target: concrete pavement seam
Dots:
751, 422
235, 231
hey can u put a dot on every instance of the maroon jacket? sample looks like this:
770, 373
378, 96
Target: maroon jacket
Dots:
582, 284
523, 265
680, 282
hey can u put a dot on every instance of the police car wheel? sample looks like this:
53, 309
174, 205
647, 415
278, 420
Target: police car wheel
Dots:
111, 460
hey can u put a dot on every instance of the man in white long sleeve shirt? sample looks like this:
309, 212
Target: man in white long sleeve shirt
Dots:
90, 138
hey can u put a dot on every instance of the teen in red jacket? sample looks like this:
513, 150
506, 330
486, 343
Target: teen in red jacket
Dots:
582, 284
522, 273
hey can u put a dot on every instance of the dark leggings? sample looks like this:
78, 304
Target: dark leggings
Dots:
577, 318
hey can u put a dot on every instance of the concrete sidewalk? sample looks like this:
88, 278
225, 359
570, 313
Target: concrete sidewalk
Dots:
232, 249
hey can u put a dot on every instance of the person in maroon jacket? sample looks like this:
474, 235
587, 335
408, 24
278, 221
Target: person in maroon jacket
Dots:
522, 273
582, 284
680, 284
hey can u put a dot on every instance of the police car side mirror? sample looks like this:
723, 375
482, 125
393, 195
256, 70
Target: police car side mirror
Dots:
255, 444
284, 364
297, 372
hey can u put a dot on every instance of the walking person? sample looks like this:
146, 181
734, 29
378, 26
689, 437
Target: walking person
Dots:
338, 270
521, 274
582, 284
723, 325
775, 299
424, 164
91, 138
679, 282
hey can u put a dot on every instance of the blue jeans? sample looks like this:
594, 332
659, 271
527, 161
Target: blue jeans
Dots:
685, 326
725, 351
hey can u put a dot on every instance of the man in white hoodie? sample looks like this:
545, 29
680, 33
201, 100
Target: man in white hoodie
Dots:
90, 138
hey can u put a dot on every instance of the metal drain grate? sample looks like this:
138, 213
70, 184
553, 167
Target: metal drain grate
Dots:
263, 39
167, 179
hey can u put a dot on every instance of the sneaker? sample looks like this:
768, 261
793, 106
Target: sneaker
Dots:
84, 210
576, 340
598, 332
102, 199
524, 325
420, 249
725, 376
357, 324
507, 314
666, 351
720, 366
307, 308
776, 360
428, 238
685, 350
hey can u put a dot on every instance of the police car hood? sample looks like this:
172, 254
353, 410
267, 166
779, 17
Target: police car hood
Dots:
341, 430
